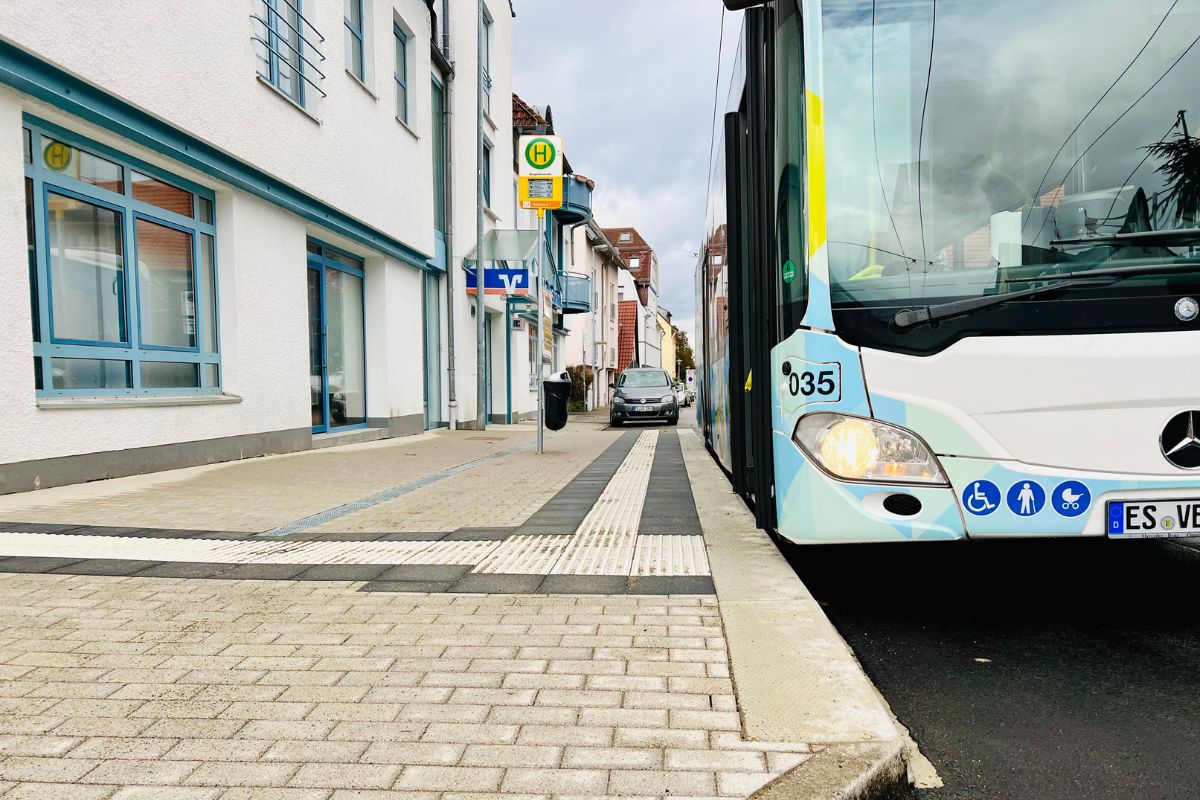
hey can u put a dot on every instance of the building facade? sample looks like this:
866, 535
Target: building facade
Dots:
667, 346
238, 233
592, 338
547, 266
644, 341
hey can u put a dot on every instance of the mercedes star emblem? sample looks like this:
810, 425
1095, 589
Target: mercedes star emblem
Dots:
1186, 309
1179, 442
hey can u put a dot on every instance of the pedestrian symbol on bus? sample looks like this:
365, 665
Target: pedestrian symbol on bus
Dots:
981, 498
1026, 498
1070, 498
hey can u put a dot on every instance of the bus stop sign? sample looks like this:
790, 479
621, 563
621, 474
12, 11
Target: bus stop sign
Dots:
540, 169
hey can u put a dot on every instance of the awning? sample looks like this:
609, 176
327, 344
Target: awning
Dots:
506, 245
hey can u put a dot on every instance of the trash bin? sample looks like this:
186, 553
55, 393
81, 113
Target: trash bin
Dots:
557, 390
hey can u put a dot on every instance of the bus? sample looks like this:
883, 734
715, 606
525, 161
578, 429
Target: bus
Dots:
950, 282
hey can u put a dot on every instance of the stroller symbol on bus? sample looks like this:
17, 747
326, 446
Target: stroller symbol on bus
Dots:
981, 498
1071, 498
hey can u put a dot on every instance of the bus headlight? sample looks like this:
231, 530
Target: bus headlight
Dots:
861, 449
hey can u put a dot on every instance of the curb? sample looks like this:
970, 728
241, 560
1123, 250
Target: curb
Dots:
795, 678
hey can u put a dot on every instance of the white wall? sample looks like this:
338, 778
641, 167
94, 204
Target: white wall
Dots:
194, 66
463, 27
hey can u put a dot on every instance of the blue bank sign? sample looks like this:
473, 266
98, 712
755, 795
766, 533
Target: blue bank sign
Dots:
506, 281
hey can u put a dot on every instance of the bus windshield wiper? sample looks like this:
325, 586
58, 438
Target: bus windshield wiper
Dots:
1102, 276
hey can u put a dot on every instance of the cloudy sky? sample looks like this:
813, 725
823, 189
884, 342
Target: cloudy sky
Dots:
630, 83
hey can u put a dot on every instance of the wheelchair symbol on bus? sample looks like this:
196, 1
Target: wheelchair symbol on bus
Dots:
981, 498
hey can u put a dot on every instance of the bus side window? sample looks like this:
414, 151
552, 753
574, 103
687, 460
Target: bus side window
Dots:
792, 266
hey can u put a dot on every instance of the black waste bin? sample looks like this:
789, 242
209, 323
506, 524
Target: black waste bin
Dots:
557, 389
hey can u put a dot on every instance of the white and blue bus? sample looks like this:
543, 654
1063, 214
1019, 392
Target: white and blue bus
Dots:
951, 283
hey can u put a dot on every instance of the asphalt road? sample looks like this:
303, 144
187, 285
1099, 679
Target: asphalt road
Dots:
1031, 670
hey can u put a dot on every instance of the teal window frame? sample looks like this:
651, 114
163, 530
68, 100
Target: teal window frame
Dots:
46, 345
487, 62
282, 32
401, 72
357, 35
487, 174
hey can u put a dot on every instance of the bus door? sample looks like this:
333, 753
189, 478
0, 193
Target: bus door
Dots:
753, 292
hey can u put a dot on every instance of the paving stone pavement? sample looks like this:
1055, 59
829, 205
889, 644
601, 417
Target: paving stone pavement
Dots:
174, 688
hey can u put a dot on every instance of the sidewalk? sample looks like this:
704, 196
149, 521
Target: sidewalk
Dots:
446, 616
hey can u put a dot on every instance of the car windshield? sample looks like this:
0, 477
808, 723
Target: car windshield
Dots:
1005, 143
639, 380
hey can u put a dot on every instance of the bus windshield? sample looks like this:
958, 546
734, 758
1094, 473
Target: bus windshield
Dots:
998, 145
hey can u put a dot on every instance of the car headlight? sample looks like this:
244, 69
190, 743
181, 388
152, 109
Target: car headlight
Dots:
618, 401
668, 399
867, 450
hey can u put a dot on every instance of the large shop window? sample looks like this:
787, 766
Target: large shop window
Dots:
122, 272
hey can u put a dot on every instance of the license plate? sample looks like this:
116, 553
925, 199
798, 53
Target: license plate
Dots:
1154, 519
643, 408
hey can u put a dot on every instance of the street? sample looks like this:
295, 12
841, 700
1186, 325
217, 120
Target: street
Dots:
1035, 669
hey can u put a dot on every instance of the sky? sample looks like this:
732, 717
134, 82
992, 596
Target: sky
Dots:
630, 84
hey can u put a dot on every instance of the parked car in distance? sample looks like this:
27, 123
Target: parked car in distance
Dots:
643, 394
681, 394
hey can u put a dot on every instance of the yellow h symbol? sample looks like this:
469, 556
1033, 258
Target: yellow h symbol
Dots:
541, 153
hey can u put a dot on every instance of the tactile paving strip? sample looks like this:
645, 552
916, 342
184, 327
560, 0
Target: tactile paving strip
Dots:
669, 555
524, 555
604, 543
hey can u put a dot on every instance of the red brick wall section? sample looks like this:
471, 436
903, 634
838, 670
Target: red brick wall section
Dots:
627, 320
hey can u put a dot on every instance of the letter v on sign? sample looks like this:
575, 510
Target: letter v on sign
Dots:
540, 156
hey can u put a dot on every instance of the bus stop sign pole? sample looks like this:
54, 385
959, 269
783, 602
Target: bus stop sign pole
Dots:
539, 187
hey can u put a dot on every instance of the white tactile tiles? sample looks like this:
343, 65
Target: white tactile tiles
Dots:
524, 555
241, 552
604, 543
670, 555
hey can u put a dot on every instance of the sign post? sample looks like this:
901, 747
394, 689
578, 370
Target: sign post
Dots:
539, 185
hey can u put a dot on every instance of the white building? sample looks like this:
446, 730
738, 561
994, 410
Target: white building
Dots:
592, 337
225, 230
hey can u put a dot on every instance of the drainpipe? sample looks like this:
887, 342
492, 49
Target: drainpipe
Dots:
448, 133
480, 295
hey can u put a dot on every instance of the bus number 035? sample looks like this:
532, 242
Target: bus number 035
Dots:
809, 383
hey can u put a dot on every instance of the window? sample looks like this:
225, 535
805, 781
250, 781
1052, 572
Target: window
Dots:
285, 48
355, 63
626, 236
122, 272
401, 73
487, 174
438, 139
487, 62
635, 263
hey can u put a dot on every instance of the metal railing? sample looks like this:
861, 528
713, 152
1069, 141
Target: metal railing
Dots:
272, 33
576, 291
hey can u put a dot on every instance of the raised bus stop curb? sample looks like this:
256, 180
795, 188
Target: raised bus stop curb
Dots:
795, 678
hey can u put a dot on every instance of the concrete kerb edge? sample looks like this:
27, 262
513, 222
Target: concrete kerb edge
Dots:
864, 771
825, 699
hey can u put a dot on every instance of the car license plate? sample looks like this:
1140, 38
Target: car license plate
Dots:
643, 408
1154, 519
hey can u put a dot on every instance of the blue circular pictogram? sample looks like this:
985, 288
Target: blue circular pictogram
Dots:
981, 498
1070, 498
1026, 498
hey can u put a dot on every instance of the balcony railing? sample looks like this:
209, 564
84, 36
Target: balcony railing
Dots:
575, 289
577, 200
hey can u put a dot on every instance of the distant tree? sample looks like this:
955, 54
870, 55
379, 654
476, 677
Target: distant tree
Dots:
683, 350
581, 381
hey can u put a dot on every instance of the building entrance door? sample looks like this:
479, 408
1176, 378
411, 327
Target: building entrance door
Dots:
336, 340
